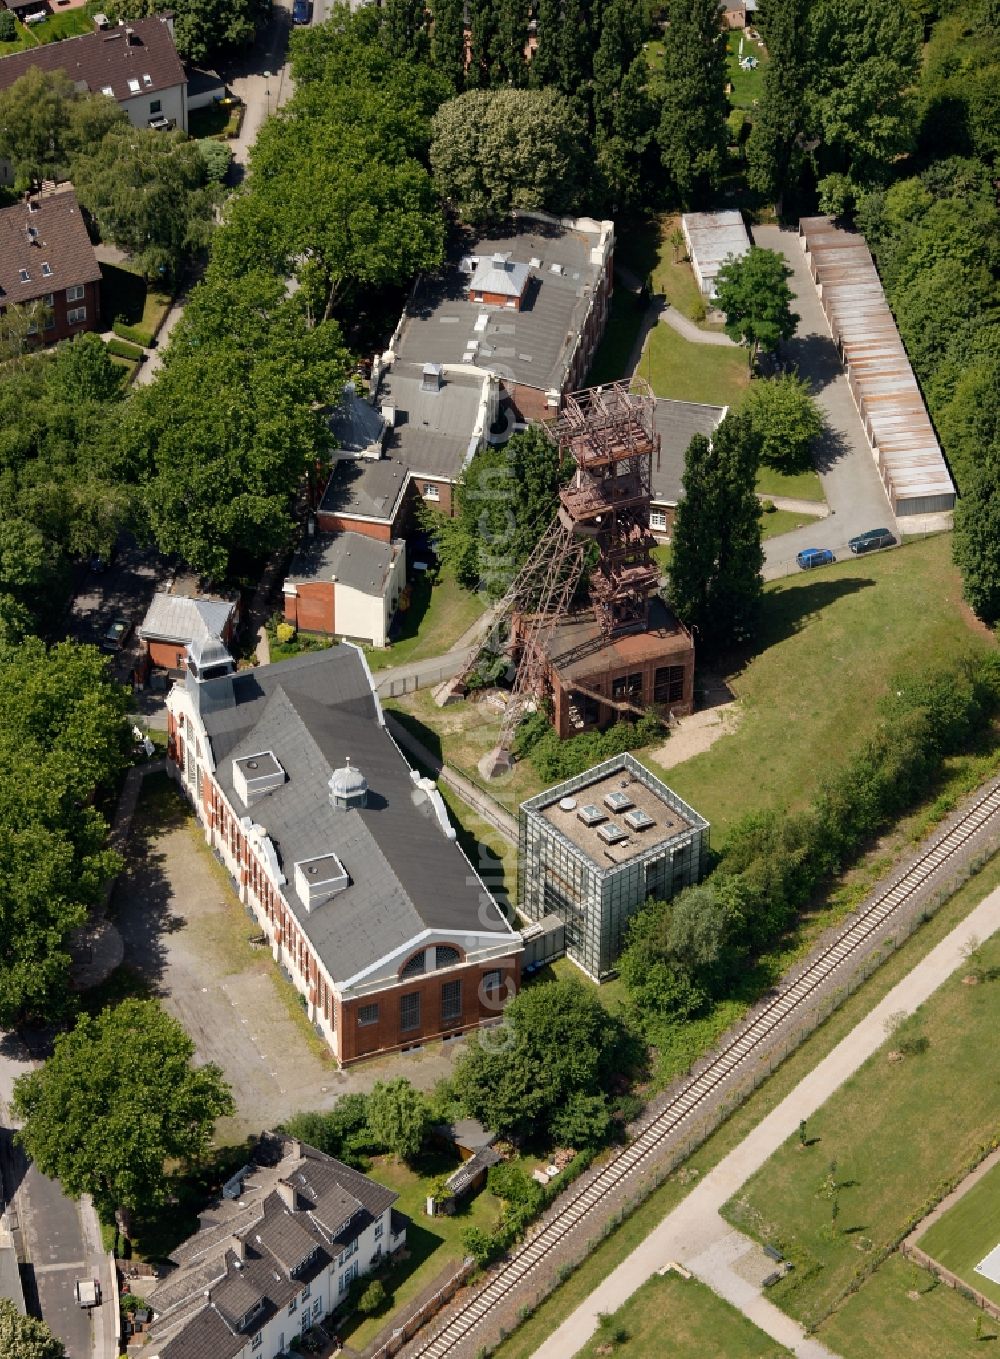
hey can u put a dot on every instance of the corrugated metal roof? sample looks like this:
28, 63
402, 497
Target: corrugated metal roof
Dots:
712, 237
185, 619
896, 421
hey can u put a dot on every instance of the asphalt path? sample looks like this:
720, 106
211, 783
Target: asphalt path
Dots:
844, 460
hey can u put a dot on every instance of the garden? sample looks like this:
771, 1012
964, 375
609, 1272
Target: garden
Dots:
137, 308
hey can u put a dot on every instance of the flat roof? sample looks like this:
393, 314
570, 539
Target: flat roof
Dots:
351, 559
889, 400
531, 346
368, 487
625, 780
434, 428
677, 422
713, 237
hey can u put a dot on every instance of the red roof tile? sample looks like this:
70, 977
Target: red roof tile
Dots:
51, 237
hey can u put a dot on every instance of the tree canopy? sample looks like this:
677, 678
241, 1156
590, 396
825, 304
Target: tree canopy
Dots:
118, 1098
754, 295
692, 133
785, 420
202, 28
494, 150
398, 1116
23, 1337
46, 125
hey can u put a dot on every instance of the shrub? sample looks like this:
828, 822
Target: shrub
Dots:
216, 156
284, 632
123, 350
373, 1299
137, 334
8, 28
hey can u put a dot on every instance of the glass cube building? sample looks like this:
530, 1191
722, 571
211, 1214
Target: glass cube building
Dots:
597, 847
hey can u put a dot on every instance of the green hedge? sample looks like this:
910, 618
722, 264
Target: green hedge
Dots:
123, 350
136, 334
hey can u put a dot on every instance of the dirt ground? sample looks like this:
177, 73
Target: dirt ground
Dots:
697, 733
187, 935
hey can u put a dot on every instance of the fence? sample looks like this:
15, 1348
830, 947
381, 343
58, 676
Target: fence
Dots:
921, 1257
388, 685
423, 1313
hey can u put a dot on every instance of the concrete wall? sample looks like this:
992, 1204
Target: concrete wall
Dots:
172, 101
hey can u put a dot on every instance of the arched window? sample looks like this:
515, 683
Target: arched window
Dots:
447, 956
416, 965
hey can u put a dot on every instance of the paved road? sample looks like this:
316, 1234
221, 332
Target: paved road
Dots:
695, 1234
58, 1239
846, 467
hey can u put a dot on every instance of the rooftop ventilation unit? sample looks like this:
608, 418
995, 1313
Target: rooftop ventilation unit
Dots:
639, 820
316, 880
618, 802
431, 377
254, 776
567, 804
591, 814
612, 833
499, 260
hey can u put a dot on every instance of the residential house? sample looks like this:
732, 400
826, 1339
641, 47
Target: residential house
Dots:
46, 257
738, 13
135, 64
712, 238
676, 423
344, 854
529, 303
595, 848
274, 1256
174, 620
346, 583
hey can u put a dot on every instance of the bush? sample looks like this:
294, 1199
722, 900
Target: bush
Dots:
284, 632
373, 1299
123, 350
555, 760
8, 28
216, 156
137, 334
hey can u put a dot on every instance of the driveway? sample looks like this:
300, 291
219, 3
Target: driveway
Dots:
125, 589
846, 467
185, 931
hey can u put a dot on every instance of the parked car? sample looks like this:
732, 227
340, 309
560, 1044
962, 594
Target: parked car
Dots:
88, 1292
117, 635
871, 541
814, 556
302, 12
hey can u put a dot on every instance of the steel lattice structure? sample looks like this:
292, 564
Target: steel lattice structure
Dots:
610, 435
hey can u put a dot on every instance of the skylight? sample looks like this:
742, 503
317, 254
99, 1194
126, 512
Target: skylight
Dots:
24, 275
147, 80
46, 270
133, 85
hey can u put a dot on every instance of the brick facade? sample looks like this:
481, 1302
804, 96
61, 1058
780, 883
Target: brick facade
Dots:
312, 607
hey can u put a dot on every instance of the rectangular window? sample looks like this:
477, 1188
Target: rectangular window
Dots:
317, 1307
76, 293
32, 328
409, 1011
668, 684
367, 1014
378, 1230
257, 1341
491, 982
46, 269
155, 106
306, 1291
627, 688
76, 315
293, 1306
657, 520
451, 1000
431, 492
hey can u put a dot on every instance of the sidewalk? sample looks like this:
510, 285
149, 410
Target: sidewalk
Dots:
695, 1234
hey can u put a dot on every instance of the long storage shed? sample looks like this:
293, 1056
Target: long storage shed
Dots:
896, 422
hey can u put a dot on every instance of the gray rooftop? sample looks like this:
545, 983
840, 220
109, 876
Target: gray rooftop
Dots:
433, 433
355, 423
677, 422
182, 619
352, 559
529, 346
369, 488
713, 237
405, 876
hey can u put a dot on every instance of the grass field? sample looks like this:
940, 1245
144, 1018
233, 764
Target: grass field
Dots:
798, 485
436, 618
775, 523
968, 1232
746, 85
634, 1230
23, 40
70, 23
684, 1319
826, 652
685, 371
889, 1140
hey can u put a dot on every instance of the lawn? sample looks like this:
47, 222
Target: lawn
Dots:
796, 485
645, 248
827, 650
685, 371
968, 1232
684, 1319
775, 523
891, 1139
613, 353
747, 86
610, 1253
493, 857
884, 1316
435, 620
22, 42
128, 298
70, 23
434, 1244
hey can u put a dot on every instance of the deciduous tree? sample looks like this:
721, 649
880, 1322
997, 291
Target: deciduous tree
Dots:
23, 1337
202, 28
977, 537
754, 295
398, 1116
692, 134
118, 1098
785, 420
448, 41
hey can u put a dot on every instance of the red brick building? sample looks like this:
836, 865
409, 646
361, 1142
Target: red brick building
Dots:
174, 621
48, 265
344, 854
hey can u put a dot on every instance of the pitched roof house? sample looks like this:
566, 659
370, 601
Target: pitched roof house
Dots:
137, 65
345, 855
46, 257
273, 1256
174, 621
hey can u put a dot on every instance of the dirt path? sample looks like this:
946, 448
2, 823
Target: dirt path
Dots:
695, 734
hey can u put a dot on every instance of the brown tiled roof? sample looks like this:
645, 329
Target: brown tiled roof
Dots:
61, 243
107, 60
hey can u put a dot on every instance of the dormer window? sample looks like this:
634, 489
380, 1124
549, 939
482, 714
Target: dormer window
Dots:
46, 270
24, 276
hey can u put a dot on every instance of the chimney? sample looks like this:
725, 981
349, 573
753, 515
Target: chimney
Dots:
238, 1246
286, 1193
129, 35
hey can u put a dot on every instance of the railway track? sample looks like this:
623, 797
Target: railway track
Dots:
698, 1091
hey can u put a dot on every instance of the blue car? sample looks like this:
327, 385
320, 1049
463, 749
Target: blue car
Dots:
302, 11
814, 556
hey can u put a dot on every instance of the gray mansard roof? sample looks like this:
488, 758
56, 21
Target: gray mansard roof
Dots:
405, 876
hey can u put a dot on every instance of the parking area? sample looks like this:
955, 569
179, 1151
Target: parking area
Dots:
120, 590
186, 933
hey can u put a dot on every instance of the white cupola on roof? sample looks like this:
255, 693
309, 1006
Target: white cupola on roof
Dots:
348, 787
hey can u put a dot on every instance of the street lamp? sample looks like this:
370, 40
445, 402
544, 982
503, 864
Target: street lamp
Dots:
267, 94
